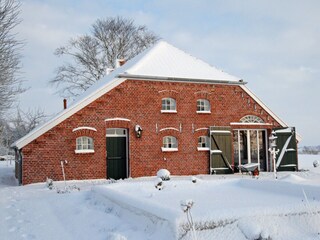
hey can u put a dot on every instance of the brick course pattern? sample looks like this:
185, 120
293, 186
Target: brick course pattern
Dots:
140, 102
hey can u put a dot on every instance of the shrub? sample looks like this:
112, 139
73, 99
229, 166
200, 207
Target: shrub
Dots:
164, 174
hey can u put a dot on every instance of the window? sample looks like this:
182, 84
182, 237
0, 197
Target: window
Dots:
170, 144
116, 132
251, 119
84, 145
168, 105
203, 143
203, 106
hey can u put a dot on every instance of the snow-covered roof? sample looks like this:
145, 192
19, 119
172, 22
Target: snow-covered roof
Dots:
168, 62
162, 62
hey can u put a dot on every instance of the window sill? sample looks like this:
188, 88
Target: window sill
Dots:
216, 151
203, 149
204, 112
84, 151
168, 111
169, 149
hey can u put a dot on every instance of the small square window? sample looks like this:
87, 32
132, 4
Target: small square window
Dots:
168, 104
170, 144
203, 105
203, 143
84, 145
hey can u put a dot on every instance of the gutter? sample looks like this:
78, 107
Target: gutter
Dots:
175, 79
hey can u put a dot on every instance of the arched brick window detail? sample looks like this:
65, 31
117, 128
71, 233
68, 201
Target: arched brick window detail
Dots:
168, 93
203, 94
251, 119
118, 123
84, 136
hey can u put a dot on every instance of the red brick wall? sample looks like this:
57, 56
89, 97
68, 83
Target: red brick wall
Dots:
139, 101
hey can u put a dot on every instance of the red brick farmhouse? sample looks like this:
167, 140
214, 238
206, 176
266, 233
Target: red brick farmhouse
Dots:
162, 109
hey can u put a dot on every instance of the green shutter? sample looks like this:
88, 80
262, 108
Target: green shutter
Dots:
286, 159
220, 150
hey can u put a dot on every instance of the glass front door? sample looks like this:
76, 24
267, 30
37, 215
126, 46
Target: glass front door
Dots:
250, 147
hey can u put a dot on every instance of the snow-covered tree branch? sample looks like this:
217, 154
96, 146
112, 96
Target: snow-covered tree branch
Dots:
18, 125
91, 55
10, 83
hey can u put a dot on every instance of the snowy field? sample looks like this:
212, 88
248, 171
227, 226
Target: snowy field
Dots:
225, 207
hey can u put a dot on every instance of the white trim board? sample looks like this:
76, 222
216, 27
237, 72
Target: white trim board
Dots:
84, 128
117, 119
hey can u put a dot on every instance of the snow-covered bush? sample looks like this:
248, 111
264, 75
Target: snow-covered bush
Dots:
316, 163
49, 183
164, 174
68, 189
158, 183
186, 204
252, 230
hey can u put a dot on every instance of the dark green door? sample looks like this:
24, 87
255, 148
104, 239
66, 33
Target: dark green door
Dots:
286, 159
116, 157
220, 150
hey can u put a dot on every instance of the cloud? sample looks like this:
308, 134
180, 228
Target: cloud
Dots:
269, 43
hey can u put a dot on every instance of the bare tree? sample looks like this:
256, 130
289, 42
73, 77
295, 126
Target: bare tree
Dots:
18, 125
10, 83
24, 122
111, 39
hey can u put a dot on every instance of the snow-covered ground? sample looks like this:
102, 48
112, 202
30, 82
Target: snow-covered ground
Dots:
225, 207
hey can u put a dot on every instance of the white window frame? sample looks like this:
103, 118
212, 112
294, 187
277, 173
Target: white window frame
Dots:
203, 106
203, 140
168, 107
84, 144
169, 144
116, 132
251, 119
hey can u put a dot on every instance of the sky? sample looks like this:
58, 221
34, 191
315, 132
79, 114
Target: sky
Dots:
273, 45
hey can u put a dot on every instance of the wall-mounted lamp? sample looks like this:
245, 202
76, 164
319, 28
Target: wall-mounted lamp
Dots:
138, 131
